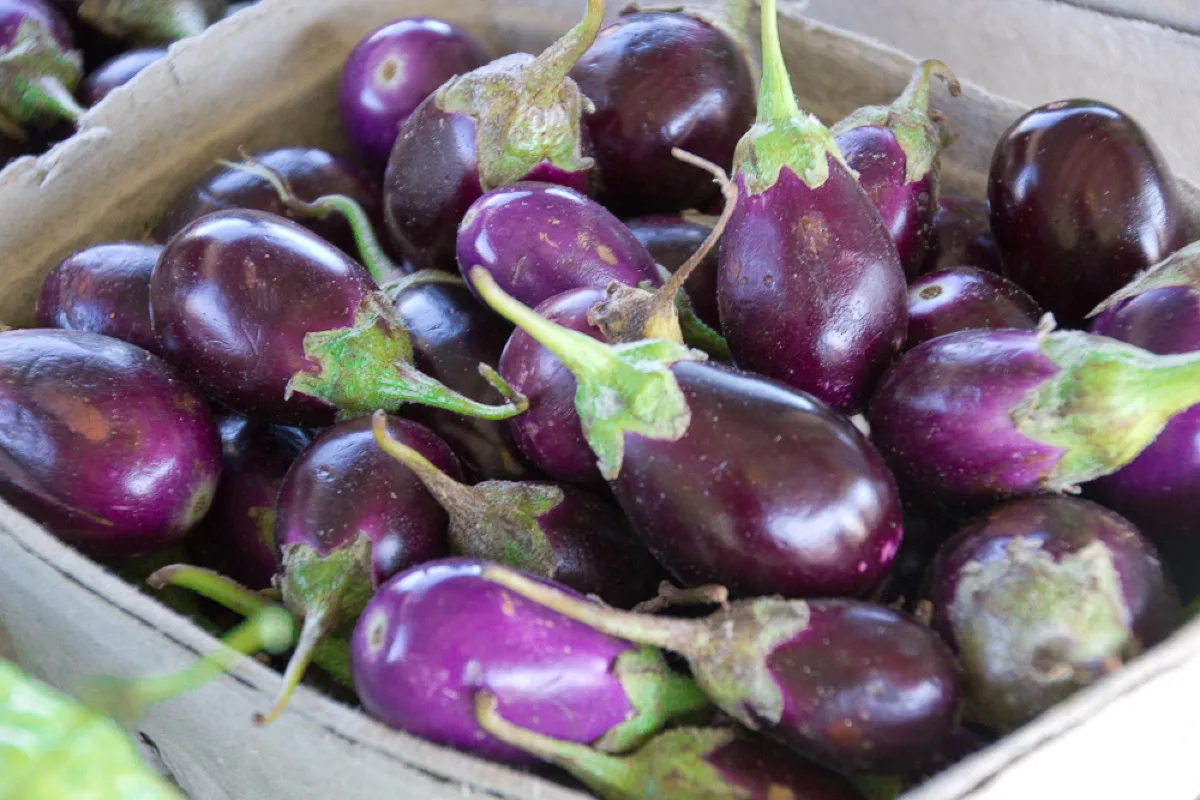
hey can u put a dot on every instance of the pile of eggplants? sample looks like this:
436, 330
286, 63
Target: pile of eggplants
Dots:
533, 409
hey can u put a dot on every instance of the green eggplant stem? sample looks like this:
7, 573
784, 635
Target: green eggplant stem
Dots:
316, 628
776, 99
546, 73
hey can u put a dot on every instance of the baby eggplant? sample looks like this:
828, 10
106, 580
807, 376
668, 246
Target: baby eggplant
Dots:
962, 237
1072, 234
848, 683
963, 299
810, 285
435, 635
40, 70
117, 72
101, 442
1042, 596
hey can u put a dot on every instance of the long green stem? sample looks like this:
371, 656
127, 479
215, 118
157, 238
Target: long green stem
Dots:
439, 484
315, 629
915, 96
410, 385
776, 100
546, 72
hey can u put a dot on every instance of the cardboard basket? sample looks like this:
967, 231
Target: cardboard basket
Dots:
267, 77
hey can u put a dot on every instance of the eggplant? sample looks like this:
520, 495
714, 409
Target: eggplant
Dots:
434, 635
391, 71
671, 239
101, 442
810, 286
517, 118
962, 237
964, 299
850, 684
976, 416
896, 151
661, 80
1058, 243
103, 289
41, 68
1042, 596
116, 72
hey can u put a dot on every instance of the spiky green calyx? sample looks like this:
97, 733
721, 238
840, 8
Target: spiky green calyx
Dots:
37, 77
656, 693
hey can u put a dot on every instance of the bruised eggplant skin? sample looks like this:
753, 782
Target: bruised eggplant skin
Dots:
1080, 201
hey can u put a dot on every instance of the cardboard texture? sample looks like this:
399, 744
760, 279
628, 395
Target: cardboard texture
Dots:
265, 78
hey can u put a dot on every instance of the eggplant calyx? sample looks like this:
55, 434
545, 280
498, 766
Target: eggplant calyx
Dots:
657, 694
917, 131
147, 20
1108, 402
1063, 620
1180, 269
37, 77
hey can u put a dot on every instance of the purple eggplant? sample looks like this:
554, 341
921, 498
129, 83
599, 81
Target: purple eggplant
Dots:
896, 151
810, 286
117, 72
391, 71
518, 118
103, 289
541, 239
976, 416
671, 239
1058, 241
277, 323
349, 517
101, 442
553, 530
436, 634
851, 684
237, 536
661, 80
717, 469
962, 237
309, 172
143, 21
40, 68
680, 764
964, 299
1042, 596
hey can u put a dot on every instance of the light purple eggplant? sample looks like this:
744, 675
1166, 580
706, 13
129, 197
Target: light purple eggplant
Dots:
41, 68
1043, 596
116, 72
896, 151
517, 118
438, 633
963, 299
102, 442
976, 416
810, 286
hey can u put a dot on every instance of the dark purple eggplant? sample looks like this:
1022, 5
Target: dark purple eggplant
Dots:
977, 416
147, 21
101, 442
349, 517
719, 469
117, 72
680, 764
237, 536
962, 237
552, 530
671, 239
277, 323
1069, 233
810, 286
518, 118
661, 80
964, 299
309, 172
541, 239
391, 71
851, 684
896, 151
40, 69
1043, 596
103, 289
436, 634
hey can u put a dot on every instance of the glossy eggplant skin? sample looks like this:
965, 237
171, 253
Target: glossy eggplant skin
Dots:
102, 442
237, 536
309, 171
540, 239
817, 302
671, 239
1007, 592
103, 289
962, 237
117, 72
764, 771
344, 485
549, 433
769, 491
661, 80
1071, 234
452, 335
966, 298
233, 296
